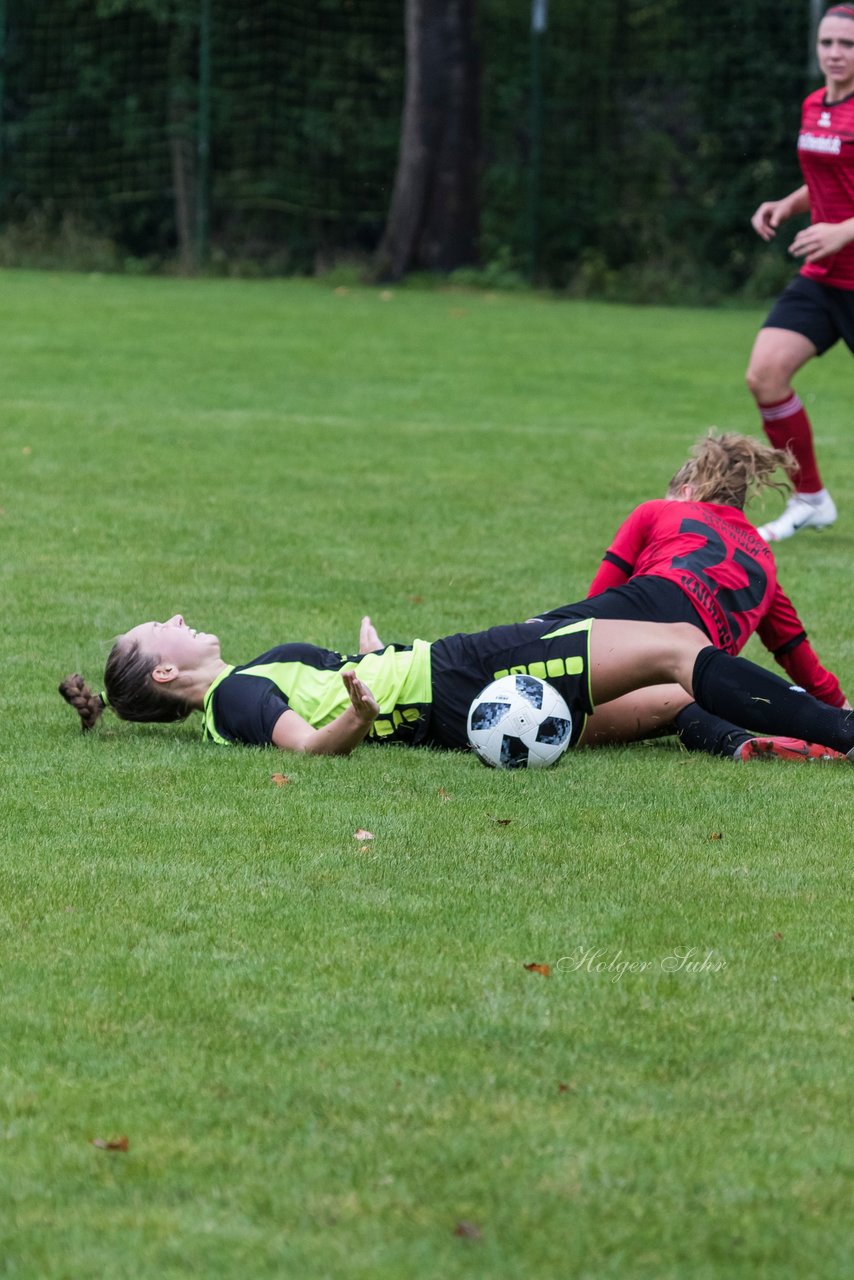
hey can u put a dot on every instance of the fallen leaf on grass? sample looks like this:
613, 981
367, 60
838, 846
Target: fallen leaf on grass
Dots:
777, 937
280, 779
468, 1231
362, 834
716, 835
544, 969
112, 1144
443, 795
500, 822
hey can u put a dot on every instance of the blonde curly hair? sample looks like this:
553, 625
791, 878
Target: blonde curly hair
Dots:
730, 468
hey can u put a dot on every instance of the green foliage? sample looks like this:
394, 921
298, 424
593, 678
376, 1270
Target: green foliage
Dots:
663, 126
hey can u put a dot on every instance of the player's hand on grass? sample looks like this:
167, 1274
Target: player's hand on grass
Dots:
820, 240
369, 641
362, 700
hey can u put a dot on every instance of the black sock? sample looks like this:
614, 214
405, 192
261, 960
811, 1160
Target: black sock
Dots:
740, 691
699, 730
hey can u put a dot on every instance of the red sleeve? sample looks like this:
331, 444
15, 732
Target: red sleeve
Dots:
782, 631
802, 667
620, 559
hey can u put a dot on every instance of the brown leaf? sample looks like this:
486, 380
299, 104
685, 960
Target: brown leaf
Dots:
112, 1144
716, 835
362, 834
544, 969
468, 1230
280, 779
417, 599
443, 795
364, 848
777, 937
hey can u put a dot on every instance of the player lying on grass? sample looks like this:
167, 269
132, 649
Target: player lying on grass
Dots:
304, 698
695, 557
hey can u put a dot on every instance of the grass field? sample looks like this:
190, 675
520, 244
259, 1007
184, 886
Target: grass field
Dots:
327, 1055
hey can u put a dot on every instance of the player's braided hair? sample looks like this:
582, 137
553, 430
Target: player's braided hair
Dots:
130, 690
730, 468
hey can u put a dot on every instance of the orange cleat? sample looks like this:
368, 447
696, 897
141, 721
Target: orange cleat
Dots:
785, 749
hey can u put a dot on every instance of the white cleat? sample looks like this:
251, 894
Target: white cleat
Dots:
803, 511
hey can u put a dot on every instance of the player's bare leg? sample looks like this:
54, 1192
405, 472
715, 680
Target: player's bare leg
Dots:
777, 356
628, 655
644, 713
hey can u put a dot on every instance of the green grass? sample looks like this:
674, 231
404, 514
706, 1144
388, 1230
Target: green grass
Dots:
326, 1056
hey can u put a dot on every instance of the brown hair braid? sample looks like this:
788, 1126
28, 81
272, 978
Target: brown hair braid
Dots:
88, 705
730, 468
131, 692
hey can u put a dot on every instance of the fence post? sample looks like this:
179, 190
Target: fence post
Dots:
539, 22
204, 135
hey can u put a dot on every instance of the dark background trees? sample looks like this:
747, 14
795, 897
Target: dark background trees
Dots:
663, 122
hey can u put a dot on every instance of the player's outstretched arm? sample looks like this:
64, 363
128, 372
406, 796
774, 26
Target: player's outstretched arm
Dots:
338, 738
369, 641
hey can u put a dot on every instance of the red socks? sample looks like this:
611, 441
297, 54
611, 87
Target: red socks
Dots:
788, 427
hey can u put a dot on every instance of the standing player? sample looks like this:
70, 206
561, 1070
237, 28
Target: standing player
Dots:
695, 555
817, 308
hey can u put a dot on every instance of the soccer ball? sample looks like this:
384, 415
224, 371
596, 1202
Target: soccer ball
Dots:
519, 722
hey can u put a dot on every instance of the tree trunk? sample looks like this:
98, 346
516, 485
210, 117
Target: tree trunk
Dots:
182, 140
433, 220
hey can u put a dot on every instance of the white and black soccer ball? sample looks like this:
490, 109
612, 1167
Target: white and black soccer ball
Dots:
519, 722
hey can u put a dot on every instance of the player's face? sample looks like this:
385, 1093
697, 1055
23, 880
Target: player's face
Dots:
175, 643
835, 49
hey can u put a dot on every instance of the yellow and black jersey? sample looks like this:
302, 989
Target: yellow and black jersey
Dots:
424, 690
244, 702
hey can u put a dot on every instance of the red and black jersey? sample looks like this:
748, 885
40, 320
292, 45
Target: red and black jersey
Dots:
714, 554
826, 155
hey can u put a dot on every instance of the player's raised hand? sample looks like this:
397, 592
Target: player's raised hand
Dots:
369, 641
363, 701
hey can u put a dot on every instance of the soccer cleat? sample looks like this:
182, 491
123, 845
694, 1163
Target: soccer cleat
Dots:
786, 749
802, 512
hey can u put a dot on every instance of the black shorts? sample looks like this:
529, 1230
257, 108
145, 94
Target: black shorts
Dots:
643, 599
461, 666
816, 311
554, 646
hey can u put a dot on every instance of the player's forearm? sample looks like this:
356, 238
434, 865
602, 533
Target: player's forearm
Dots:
797, 201
338, 738
846, 230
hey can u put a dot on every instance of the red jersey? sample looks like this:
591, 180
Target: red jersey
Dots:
826, 155
718, 559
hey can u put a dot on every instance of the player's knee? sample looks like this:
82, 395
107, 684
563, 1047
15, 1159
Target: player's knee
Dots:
768, 378
762, 381
686, 641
